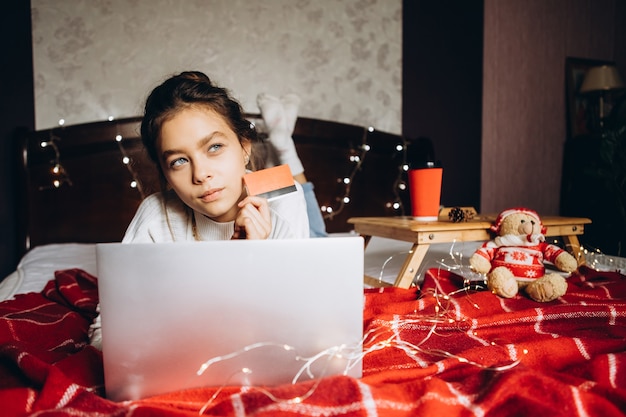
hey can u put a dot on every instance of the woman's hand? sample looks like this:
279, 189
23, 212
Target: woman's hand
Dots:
253, 220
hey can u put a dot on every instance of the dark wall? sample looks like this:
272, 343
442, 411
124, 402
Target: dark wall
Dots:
442, 89
619, 52
16, 109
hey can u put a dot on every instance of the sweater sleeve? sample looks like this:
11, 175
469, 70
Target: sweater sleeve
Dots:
551, 252
487, 250
289, 216
151, 223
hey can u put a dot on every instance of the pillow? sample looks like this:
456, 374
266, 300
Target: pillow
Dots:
37, 267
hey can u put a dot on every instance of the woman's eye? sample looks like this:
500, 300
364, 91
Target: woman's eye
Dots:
177, 162
215, 147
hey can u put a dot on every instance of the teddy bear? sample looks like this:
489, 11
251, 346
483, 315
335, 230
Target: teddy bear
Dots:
514, 259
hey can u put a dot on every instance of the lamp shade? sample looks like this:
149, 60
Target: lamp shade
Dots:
604, 77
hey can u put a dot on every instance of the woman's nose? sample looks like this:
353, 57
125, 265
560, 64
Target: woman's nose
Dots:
201, 172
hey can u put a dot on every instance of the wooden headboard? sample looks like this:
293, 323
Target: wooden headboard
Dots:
94, 201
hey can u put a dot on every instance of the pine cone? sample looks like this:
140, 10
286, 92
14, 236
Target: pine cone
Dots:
456, 214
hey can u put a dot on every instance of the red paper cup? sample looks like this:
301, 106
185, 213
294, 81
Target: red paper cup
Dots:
425, 192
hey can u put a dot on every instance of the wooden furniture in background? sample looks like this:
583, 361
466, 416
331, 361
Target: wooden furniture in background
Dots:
423, 234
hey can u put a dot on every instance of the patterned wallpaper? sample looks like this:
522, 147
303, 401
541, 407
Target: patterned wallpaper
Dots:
95, 59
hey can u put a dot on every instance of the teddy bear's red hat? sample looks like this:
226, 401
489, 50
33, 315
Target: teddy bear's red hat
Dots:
495, 227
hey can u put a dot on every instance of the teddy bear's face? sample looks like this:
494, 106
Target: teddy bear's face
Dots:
519, 224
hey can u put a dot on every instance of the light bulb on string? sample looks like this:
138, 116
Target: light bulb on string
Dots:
57, 171
135, 183
127, 162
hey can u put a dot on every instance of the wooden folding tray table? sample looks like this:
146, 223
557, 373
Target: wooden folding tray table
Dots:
423, 234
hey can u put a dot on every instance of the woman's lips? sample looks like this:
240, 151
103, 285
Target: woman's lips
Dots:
211, 195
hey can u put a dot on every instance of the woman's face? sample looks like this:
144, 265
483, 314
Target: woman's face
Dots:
204, 162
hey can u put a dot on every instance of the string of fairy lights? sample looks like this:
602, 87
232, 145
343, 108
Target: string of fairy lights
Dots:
59, 175
126, 160
356, 158
435, 314
58, 172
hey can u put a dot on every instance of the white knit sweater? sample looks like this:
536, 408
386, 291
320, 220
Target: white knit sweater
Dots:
163, 217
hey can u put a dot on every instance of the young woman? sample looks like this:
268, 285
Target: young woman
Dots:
202, 146
201, 143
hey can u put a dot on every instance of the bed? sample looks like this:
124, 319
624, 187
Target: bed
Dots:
442, 347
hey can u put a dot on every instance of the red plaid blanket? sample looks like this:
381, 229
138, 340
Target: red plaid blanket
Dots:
440, 351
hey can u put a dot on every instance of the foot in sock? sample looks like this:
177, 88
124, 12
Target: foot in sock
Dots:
272, 112
280, 127
290, 103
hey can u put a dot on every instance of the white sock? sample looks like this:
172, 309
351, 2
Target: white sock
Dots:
272, 112
290, 102
280, 127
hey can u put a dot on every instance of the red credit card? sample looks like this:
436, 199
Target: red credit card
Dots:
270, 183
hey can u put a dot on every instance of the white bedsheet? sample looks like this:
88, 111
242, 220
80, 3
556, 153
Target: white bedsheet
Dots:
383, 260
37, 267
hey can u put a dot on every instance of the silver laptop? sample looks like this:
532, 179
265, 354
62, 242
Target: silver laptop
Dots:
245, 312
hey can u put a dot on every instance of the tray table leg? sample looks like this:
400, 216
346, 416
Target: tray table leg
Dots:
573, 246
411, 265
